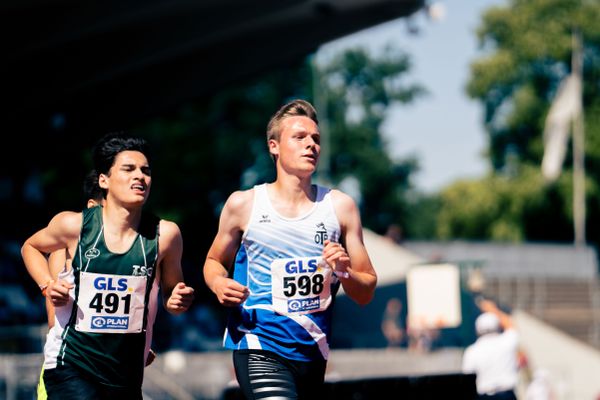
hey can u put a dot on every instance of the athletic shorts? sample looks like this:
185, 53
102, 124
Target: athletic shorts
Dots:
67, 383
262, 374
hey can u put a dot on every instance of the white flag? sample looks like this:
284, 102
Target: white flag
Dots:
565, 107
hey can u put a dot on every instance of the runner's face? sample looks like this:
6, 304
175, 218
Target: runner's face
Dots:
129, 180
299, 146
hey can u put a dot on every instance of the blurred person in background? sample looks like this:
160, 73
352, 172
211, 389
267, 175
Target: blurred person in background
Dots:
392, 326
289, 245
394, 234
494, 357
116, 256
540, 387
421, 337
57, 259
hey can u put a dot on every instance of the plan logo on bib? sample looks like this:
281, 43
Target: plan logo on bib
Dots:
104, 322
303, 305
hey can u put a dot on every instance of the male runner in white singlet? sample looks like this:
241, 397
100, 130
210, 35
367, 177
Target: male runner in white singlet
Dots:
289, 245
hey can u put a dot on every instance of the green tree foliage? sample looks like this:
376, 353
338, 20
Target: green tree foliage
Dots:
526, 47
502, 208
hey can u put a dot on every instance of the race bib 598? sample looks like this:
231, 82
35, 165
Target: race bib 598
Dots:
300, 285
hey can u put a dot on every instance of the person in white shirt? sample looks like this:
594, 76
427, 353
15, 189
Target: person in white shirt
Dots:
540, 388
494, 355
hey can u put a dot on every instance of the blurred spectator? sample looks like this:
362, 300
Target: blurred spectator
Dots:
421, 338
540, 387
476, 281
395, 234
392, 325
494, 355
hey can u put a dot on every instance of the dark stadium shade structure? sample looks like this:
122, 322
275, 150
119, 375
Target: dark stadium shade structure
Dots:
116, 62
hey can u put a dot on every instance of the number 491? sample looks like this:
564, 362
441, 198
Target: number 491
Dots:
109, 303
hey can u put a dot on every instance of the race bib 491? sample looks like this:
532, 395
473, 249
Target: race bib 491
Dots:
110, 303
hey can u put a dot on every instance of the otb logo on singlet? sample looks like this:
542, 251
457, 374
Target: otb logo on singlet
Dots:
321, 233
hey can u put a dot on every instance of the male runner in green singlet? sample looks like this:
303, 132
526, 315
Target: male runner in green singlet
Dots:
117, 256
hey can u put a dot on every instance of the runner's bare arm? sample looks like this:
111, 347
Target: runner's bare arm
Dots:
177, 296
350, 254
221, 255
61, 233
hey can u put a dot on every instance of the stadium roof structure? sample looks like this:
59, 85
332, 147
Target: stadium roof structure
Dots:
119, 61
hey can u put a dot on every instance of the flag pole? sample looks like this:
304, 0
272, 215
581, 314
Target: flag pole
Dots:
579, 208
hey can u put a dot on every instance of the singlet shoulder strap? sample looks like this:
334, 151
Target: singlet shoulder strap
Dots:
322, 192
